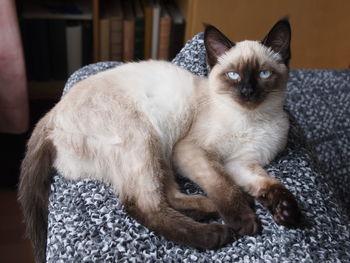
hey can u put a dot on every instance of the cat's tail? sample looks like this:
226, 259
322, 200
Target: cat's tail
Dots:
34, 186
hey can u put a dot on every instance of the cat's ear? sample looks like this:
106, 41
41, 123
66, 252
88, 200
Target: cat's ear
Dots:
278, 39
216, 44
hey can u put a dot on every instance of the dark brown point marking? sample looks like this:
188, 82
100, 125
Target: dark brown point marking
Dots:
250, 90
282, 204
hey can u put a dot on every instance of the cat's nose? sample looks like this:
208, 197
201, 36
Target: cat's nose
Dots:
246, 91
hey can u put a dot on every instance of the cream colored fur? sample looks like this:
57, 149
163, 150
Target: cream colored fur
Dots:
131, 125
243, 137
138, 100
127, 106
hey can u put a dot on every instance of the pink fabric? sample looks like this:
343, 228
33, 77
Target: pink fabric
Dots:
14, 113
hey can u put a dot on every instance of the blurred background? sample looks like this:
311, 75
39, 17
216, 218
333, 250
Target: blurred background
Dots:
43, 42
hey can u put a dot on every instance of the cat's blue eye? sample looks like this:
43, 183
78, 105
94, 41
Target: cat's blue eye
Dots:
264, 74
233, 75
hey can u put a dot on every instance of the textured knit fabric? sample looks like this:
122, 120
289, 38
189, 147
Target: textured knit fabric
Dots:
88, 224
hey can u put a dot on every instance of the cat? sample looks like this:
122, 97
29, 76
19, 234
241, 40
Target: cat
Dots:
133, 125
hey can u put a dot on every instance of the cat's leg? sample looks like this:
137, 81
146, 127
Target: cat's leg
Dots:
269, 191
140, 183
230, 201
196, 206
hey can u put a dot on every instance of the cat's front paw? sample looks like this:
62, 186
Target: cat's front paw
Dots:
282, 204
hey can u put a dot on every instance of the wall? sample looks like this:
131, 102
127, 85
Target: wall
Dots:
321, 28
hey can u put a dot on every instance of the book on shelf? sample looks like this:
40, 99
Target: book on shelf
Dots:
177, 28
87, 40
35, 35
58, 49
128, 31
74, 47
105, 24
148, 11
164, 34
139, 31
116, 31
155, 29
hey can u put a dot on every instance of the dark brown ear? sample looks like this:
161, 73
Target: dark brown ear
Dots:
279, 39
216, 43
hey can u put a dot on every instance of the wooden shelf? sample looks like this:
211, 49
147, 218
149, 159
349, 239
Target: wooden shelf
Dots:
92, 11
41, 15
32, 10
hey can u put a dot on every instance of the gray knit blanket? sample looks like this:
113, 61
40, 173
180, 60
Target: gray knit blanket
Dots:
88, 224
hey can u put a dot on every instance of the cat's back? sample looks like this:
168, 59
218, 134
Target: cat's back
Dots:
146, 75
142, 81
112, 101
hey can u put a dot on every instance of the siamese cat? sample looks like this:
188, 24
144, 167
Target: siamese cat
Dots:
132, 125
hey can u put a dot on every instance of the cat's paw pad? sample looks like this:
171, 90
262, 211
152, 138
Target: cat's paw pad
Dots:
282, 205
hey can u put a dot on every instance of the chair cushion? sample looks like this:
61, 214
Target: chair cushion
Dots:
88, 224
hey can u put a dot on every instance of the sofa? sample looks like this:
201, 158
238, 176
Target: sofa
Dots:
86, 222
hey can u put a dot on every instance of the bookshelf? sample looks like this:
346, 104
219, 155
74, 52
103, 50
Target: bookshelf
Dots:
57, 40
316, 28
61, 36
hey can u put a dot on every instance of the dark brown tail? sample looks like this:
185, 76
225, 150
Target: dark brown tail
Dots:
34, 187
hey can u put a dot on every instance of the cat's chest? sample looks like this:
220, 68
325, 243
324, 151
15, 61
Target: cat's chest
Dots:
235, 136
258, 139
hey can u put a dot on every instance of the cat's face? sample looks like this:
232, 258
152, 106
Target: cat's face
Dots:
249, 72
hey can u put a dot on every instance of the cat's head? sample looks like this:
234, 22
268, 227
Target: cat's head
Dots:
250, 72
